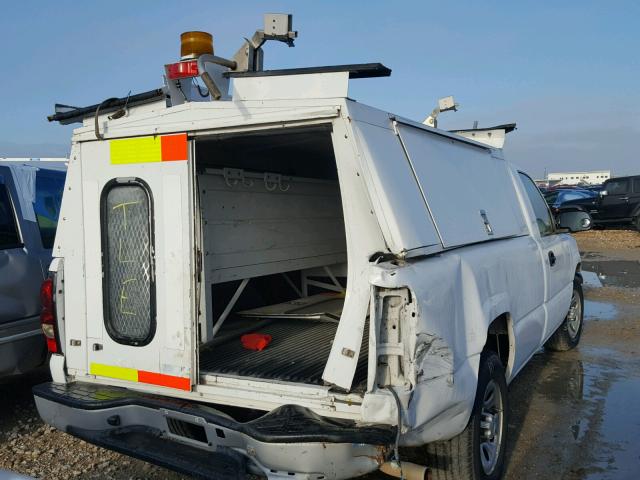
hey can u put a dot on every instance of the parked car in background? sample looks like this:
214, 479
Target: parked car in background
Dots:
30, 197
556, 198
617, 203
593, 188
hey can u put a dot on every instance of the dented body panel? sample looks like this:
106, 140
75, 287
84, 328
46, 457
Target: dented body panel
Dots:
455, 297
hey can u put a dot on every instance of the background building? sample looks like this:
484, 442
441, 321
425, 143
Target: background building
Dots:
575, 178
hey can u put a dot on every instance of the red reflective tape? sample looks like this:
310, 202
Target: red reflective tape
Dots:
173, 147
181, 383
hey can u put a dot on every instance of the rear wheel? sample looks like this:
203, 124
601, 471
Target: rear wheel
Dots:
568, 334
636, 223
478, 452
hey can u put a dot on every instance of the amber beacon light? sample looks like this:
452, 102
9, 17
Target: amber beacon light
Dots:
194, 44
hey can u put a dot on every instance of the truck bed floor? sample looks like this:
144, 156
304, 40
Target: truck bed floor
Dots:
297, 353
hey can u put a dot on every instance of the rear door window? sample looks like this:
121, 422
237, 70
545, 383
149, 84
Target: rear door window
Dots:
127, 241
9, 237
49, 188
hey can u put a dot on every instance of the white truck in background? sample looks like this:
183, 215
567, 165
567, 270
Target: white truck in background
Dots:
285, 282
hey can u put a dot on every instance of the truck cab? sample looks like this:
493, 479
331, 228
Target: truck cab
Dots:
274, 279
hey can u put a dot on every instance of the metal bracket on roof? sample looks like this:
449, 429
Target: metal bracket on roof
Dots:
277, 26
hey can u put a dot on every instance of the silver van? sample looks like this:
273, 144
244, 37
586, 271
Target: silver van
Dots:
30, 196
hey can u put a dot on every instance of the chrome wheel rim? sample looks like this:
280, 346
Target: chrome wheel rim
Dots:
491, 427
574, 317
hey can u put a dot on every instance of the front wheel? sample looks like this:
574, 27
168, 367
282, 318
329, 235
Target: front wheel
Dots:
478, 452
568, 334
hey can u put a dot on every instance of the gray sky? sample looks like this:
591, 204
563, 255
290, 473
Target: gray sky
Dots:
566, 72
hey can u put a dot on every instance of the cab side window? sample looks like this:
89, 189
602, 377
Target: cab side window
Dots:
540, 208
9, 237
617, 187
49, 188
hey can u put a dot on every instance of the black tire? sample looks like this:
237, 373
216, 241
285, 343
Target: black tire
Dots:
461, 458
567, 336
636, 223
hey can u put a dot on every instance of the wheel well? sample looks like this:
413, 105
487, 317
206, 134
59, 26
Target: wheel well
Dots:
498, 339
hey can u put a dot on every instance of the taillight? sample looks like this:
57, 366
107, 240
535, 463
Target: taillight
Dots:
182, 70
47, 315
46, 295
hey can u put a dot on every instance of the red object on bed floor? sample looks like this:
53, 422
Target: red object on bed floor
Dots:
255, 341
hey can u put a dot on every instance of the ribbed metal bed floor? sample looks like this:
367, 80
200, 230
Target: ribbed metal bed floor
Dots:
298, 351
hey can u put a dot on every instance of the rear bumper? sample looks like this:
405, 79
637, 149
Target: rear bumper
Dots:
201, 441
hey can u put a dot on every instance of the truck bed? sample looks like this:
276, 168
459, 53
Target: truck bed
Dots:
297, 353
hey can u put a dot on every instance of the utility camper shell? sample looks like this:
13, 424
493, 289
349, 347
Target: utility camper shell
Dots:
292, 211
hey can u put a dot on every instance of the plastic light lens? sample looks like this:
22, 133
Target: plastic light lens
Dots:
194, 44
48, 330
46, 294
52, 345
47, 317
182, 70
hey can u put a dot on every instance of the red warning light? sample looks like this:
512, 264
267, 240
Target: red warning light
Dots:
186, 69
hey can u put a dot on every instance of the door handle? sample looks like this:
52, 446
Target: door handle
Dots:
552, 258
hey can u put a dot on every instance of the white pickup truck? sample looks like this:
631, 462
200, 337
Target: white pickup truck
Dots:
289, 283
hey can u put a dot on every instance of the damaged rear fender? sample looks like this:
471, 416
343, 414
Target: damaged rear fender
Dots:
441, 331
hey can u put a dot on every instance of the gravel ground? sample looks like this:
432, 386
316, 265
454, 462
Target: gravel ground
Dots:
568, 417
612, 242
30, 447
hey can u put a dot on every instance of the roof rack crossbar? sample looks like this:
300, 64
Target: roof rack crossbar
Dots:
356, 70
77, 114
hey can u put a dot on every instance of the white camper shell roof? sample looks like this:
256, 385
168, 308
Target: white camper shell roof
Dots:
416, 175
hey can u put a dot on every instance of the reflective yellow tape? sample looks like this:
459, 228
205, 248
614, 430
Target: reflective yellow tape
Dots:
136, 150
121, 373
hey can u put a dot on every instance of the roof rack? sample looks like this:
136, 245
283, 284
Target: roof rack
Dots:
507, 127
493, 136
356, 70
66, 114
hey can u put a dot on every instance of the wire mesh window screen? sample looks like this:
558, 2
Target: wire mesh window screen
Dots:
128, 261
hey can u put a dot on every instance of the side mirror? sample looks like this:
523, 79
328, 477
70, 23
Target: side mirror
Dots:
604, 193
574, 221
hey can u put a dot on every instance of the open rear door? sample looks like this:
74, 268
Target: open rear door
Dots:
138, 227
